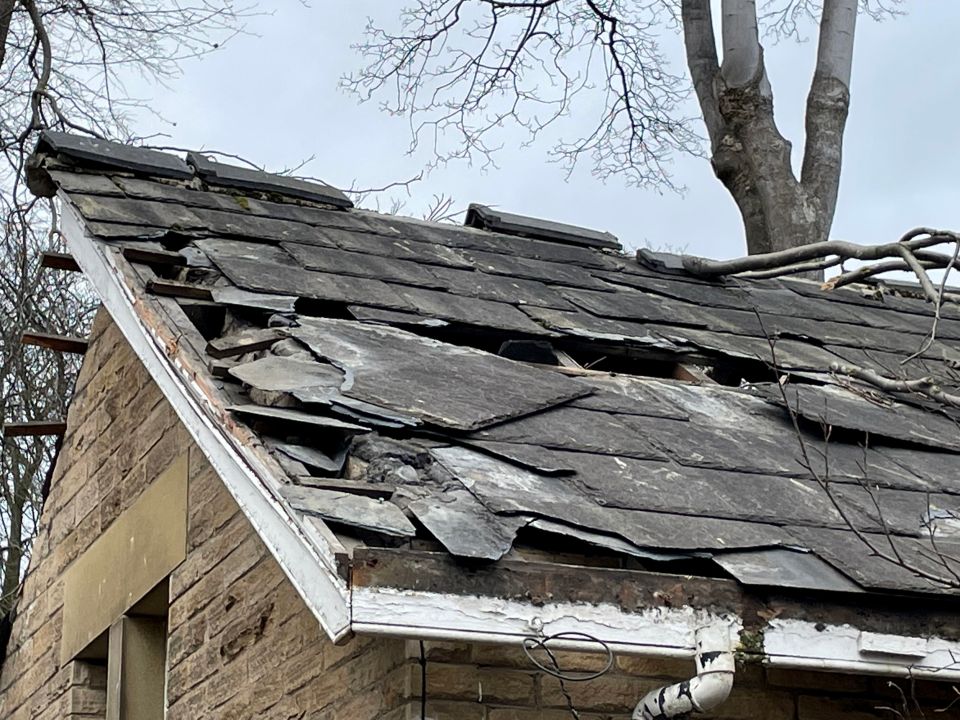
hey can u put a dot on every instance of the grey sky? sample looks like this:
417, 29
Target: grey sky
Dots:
273, 98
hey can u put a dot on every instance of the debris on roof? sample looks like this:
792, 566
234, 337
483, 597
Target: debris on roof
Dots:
513, 382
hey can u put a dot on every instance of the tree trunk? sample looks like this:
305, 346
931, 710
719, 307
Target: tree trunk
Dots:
6, 15
749, 154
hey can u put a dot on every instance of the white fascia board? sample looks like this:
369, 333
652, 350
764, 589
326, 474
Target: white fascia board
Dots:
300, 557
847, 649
658, 632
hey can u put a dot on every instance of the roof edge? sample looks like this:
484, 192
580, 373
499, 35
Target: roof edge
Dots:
654, 632
324, 592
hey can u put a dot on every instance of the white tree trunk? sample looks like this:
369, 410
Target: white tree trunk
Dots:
741, 42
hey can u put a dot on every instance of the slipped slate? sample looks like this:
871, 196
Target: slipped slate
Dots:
444, 385
883, 417
783, 568
465, 527
345, 508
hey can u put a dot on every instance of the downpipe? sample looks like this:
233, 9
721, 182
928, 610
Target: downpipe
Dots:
710, 687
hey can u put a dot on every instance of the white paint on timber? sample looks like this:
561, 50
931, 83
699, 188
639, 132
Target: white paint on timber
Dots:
661, 632
304, 562
844, 648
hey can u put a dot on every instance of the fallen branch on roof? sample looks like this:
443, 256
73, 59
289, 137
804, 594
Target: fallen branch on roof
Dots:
924, 386
908, 253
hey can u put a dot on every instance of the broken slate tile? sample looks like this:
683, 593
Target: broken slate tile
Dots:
442, 384
359, 511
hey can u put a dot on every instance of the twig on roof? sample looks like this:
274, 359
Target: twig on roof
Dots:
924, 385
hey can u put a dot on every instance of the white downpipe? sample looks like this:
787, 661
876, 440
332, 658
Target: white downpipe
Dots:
710, 687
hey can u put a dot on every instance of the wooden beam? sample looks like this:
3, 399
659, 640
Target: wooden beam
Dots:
153, 256
34, 428
172, 288
59, 343
59, 261
687, 372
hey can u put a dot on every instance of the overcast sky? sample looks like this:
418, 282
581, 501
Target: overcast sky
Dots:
273, 97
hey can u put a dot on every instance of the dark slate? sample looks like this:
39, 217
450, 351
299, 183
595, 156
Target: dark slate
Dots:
250, 179
107, 154
487, 218
444, 385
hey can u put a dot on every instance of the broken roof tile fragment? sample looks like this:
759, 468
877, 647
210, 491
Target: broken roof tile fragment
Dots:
444, 385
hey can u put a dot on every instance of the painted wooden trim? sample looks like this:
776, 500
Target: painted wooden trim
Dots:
301, 560
661, 632
847, 649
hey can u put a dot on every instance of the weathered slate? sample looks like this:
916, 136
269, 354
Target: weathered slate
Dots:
242, 342
359, 511
286, 280
396, 245
626, 395
465, 527
341, 262
626, 304
238, 297
535, 458
85, 183
505, 488
129, 211
286, 374
841, 408
393, 317
855, 559
442, 384
582, 325
468, 311
520, 267
574, 429
790, 354
517, 291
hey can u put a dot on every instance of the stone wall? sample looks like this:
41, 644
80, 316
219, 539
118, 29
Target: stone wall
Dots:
241, 642
243, 645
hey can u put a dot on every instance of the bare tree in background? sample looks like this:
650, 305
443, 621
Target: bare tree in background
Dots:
62, 66
463, 69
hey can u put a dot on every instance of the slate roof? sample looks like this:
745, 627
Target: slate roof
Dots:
482, 389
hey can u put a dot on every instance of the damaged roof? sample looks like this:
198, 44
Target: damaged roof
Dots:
518, 383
